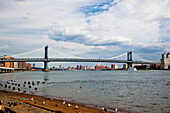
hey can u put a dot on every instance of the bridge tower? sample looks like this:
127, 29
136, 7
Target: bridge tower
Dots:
46, 58
129, 58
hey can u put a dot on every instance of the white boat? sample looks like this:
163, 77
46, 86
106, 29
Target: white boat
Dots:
131, 69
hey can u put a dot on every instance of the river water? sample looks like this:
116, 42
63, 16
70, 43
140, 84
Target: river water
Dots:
141, 91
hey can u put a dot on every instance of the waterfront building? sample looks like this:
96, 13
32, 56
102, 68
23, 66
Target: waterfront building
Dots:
78, 67
99, 67
165, 61
16, 65
114, 66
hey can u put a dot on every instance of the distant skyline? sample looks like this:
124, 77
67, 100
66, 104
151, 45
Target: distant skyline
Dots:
85, 28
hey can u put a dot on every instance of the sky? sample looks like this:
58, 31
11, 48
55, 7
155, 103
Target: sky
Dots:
85, 28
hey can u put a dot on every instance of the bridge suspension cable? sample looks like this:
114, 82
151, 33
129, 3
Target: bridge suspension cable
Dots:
115, 57
26, 52
142, 59
63, 53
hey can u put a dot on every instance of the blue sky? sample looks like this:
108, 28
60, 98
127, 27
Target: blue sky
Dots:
85, 28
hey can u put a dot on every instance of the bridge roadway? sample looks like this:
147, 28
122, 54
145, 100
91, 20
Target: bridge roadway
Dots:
73, 60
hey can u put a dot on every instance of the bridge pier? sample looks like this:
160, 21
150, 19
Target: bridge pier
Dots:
129, 58
46, 58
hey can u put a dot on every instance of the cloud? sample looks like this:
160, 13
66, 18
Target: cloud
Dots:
86, 27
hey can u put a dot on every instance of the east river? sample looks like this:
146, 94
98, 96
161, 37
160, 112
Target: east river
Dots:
140, 91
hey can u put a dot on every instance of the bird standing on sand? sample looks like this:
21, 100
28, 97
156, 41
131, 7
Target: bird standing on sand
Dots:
32, 99
69, 104
43, 103
76, 107
1, 105
104, 109
35, 102
64, 102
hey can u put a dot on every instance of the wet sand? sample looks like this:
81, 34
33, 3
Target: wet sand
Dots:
26, 103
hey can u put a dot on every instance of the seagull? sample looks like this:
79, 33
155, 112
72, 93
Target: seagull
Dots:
18, 89
15, 103
64, 102
69, 104
32, 99
1, 102
43, 103
13, 88
35, 102
76, 107
104, 109
116, 109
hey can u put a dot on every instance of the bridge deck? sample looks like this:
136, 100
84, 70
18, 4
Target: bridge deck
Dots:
73, 60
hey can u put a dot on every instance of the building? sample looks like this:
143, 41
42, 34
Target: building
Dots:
16, 65
6, 64
99, 67
154, 66
165, 61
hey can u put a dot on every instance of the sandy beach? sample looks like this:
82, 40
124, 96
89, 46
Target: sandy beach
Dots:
25, 103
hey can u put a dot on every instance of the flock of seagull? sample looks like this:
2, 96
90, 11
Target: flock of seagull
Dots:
21, 87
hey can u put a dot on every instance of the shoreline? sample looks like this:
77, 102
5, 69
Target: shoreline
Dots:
34, 103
